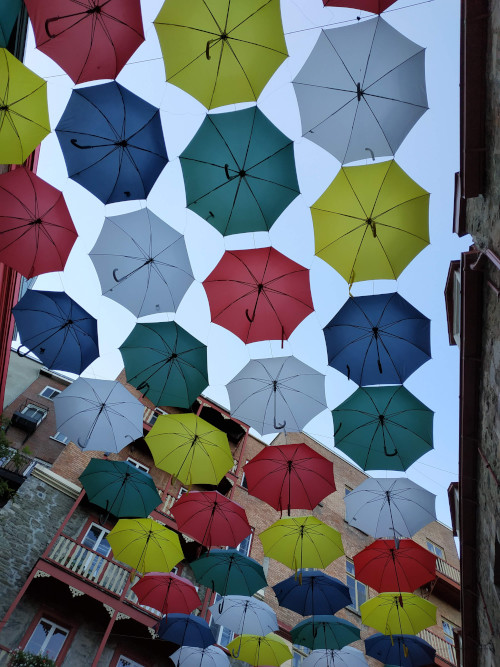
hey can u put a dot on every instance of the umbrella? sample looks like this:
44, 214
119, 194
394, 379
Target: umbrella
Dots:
277, 393
167, 592
99, 415
290, 477
313, 592
229, 573
142, 263
361, 90
258, 294
378, 339
244, 615
120, 488
324, 632
166, 363
24, 115
217, 51
383, 428
255, 650
398, 613
371, 222
302, 542
193, 656
89, 39
8, 17
190, 449
112, 142
391, 507
386, 568
145, 545
36, 229
239, 171
186, 630
59, 331
374, 6
348, 656
402, 650
211, 518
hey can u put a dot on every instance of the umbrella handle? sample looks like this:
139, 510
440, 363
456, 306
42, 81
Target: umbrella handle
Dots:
79, 443
348, 371
226, 169
118, 280
337, 430
250, 319
21, 354
278, 427
371, 153
142, 386
394, 453
221, 607
207, 49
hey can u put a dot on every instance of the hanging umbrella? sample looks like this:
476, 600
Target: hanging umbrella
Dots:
374, 6
99, 415
229, 573
401, 650
391, 507
289, 477
211, 518
244, 615
59, 331
383, 428
167, 592
190, 449
166, 363
8, 16
186, 630
378, 339
302, 542
398, 613
277, 393
239, 171
145, 545
258, 651
219, 52
371, 222
324, 632
312, 592
142, 263
384, 567
193, 656
361, 90
258, 294
36, 229
112, 142
24, 114
89, 39
345, 657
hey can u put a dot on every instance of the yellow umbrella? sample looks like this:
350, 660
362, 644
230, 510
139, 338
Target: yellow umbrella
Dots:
24, 115
398, 613
268, 650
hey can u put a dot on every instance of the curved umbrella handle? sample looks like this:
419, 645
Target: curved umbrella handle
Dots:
49, 34
74, 142
236, 655
371, 153
348, 371
207, 49
21, 354
118, 280
278, 427
221, 607
250, 319
394, 453
142, 386
226, 169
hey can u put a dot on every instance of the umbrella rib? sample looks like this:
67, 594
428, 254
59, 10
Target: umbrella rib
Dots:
261, 46
267, 180
390, 71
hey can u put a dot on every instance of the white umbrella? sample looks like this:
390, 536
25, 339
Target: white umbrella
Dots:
346, 657
193, 656
244, 615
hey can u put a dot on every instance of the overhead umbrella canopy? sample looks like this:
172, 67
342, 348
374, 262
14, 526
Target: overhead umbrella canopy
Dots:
374, 6
258, 651
194, 656
398, 613
186, 630
401, 650
312, 592
361, 90
229, 572
244, 615
8, 16
221, 52
112, 142
167, 592
324, 632
258, 294
348, 656
239, 171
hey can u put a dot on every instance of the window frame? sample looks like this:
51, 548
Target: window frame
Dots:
434, 547
449, 639
301, 651
157, 412
63, 442
139, 466
124, 652
53, 389
354, 607
37, 408
44, 613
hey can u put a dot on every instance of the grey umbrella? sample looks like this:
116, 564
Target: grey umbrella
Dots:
361, 90
327, 657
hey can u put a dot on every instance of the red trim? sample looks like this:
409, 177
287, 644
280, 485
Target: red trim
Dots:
55, 617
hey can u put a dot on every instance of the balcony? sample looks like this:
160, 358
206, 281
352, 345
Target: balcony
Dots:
447, 583
445, 652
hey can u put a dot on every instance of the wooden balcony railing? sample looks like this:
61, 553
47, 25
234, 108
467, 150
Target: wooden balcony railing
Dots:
444, 649
166, 505
448, 570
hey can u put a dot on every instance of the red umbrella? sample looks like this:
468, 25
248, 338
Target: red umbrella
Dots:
374, 6
258, 294
290, 477
36, 230
211, 518
385, 568
168, 593
89, 39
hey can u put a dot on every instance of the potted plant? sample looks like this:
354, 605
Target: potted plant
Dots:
20, 658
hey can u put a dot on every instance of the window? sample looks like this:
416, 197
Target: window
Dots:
299, 654
156, 413
47, 639
450, 638
127, 662
243, 482
182, 491
94, 539
358, 591
34, 412
139, 466
244, 547
222, 635
435, 549
50, 393
60, 437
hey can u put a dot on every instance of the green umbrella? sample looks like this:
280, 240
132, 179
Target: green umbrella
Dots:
9, 11
229, 572
383, 428
325, 632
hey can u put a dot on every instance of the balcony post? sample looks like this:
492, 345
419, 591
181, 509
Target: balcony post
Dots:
104, 639
63, 524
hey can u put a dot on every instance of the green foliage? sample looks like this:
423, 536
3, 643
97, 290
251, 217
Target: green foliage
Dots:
5, 491
20, 658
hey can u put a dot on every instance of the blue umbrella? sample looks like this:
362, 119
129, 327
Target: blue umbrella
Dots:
186, 630
312, 592
57, 330
112, 142
401, 650
380, 339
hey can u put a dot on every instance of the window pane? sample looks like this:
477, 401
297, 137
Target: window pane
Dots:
38, 638
54, 645
47, 639
361, 588
349, 567
244, 547
351, 584
226, 636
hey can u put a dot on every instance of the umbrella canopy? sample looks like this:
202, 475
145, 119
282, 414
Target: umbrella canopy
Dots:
383, 428
89, 39
142, 263
345, 657
120, 488
302, 542
239, 171
166, 363
57, 330
276, 393
112, 142
193, 656
398, 613
99, 415
8, 17
391, 507
327, 632
258, 651
371, 221
384, 567
378, 339
258, 294
244, 615
219, 52
313, 592
229, 573
374, 6
167, 592
186, 630
36, 229
24, 114
190, 449
211, 518
401, 650
361, 90
290, 477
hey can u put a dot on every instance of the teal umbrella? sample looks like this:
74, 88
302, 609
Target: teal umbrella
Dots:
9, 11
229, 572
325, 632
239, 171
166, 363
383, 428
